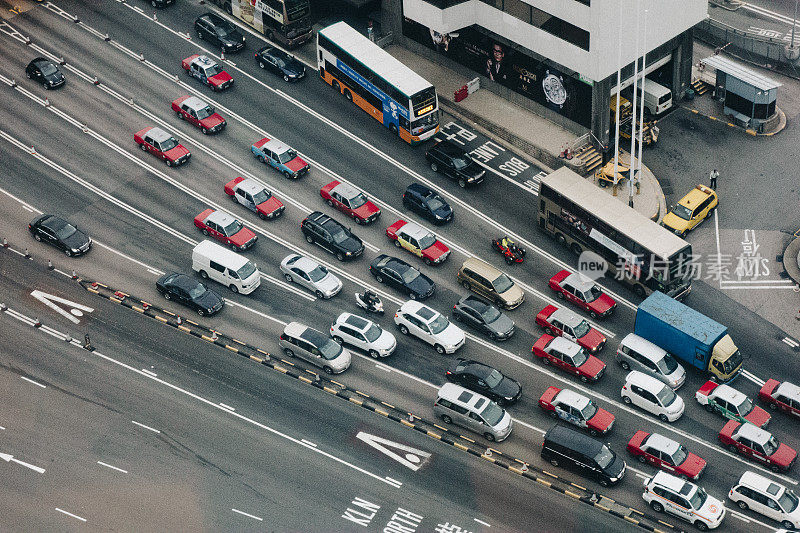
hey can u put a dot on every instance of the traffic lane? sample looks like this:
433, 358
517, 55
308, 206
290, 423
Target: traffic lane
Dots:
123, 337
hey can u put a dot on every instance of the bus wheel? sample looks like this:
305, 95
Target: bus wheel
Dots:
393, 128
639, 290
576, 248
348, 95
335, 85
560, 239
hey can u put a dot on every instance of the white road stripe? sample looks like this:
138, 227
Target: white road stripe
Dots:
228, 407
394, 482
31, 381
70, 514
482, 522
112, 467
247, 514
149, 372
790, 342
304, 441
753, 281
142, 425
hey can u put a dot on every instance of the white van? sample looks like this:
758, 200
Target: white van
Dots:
657, 98
234, 271
652, 395
767, 497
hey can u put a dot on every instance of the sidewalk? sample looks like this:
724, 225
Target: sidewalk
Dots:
522, 129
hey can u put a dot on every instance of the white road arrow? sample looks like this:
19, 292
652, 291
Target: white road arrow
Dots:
413, 457
10, 458
76, 311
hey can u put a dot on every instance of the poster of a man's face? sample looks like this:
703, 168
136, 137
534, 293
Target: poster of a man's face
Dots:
496, 66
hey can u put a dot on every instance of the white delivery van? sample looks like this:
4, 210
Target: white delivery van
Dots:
216, 262
657, 98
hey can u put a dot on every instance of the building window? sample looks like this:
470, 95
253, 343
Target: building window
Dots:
544, 21
444, 4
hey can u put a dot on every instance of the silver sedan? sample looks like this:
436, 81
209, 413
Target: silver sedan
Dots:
311, 275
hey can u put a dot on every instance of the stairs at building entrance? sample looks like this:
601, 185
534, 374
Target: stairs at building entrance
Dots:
590, 156
700, 87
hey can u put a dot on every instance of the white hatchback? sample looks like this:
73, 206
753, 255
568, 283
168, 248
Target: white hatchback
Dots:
311, 275
363, 333
652, 395
764, 496
421, 321
667, 493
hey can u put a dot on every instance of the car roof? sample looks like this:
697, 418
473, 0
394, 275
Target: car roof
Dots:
183, 281
194, 103
755, 434
579, 281
694, 197
457, 393
276, 146
306, 264
450, 148
564, 346
729, 394
475, 302
277, 52
213, 17
158, 135
220, 218
355, 321
251, 186
662, 443
673, 483
346, 190
204, 61
419, 309
761, 483
574, 439
643, 347
789, 389
53, 222
40, 61
643, 380
420, 189
414, 230
572, 398
565, 316
322, 219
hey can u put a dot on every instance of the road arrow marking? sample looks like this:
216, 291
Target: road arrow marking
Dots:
76, 311
413, 458
10, 458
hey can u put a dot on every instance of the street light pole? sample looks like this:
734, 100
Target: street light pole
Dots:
619, 83
632, 164
794, 22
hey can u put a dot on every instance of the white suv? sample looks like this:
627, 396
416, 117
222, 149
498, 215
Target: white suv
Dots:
652, 395
432, 327
766, 497
667, 493
363, 333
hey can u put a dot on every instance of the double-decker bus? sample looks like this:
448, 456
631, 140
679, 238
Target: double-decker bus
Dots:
635, 249
375, 81
284, 21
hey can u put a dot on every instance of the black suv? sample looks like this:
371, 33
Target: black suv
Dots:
426, 202
450, 159
321, 229
216, 30
483, 316
277, 61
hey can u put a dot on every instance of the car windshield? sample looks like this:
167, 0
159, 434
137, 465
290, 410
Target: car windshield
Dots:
494, 378
439, 324
206, 112
493, 414
593, 293
197, 291
373, 333
246, 271
213, 70
733, 361
287, 156
435, 203
666, 396
330, 350
680, 455
233, 228
667, 365
604, 458
580, 357
581, 329
410, 275
48, 69
490, 314
357, 201
682, 212
589, 411
745, 407
280, 62
169, 144
339, 236
427, 241
771, 446
66, 232
318, 273
698, 498
262, 196
460, 162
788, 501
502, 283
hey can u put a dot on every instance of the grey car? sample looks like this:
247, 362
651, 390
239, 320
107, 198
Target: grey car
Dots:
484, 317
311, 275
298, 340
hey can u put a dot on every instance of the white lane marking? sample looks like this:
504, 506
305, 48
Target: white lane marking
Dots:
767, 13
1, 427
754, 281
716, 230
70, 514
740, 517
27, 208
149, 268
304, 441
35, 383
142, 425
752, 377
642, 476
756, 287
413, 458
154, 272
10, 458
791, 342
639, 472
20, 201
259, 313
465, 205
393, 481
112, 467
385, 368
247, 514
150, 372
72, 315
482, 522
228, 407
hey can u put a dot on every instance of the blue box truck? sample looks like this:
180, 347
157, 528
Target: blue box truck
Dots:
689, 335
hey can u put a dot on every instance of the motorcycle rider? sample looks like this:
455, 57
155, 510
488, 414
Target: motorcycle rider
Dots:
371, 299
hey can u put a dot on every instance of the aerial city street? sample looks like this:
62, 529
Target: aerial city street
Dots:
447, 266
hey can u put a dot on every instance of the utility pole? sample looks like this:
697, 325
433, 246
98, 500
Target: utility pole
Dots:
632, 164
619, 83
641, 126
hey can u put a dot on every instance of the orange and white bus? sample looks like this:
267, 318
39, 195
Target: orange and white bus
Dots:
375, 81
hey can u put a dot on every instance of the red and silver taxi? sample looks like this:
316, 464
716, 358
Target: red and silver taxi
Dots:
583, 292
162, 145
666, 454
568, 356
198, 113
225, 229
564, 323
759, 444
576, 409
351, 201
255, 197
784, 396
418, 241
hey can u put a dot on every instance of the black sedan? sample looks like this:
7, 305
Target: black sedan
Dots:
485, 380
45, 72
451, 160
189, 292
219, 31
277, 61
484, 317
425, 202
402, 276
58, 232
